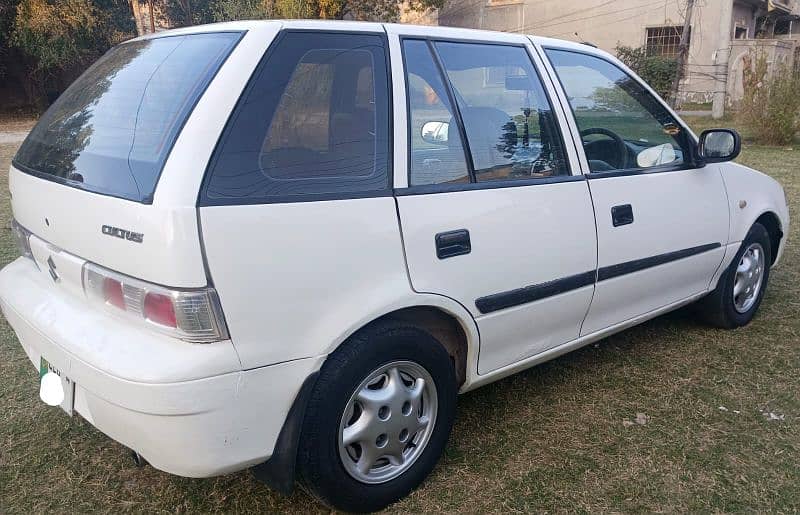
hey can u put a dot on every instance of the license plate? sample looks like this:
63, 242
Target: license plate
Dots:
50, 389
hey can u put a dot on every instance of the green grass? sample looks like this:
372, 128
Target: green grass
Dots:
548, 439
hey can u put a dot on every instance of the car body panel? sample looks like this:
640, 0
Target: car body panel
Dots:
288, 279
672, 211
750, 195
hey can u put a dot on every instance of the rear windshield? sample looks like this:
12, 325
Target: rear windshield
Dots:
111, 130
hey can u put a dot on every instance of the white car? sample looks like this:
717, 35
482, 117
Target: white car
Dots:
290, 244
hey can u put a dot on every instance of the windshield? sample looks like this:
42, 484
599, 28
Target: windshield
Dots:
112, 129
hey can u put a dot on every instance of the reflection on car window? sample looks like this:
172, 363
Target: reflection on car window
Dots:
437, 155
622, 125
111, 131
508, 120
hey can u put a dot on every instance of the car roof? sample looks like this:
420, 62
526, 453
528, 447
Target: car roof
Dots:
392, 28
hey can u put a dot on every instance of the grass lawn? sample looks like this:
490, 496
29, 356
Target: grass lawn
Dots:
552, 438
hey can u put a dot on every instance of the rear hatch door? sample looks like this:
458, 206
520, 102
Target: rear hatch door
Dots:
84, 181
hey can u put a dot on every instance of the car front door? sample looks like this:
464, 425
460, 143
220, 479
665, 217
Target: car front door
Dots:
492, 215
662, 221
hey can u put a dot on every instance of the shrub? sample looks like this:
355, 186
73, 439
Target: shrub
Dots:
658, 71
770, 106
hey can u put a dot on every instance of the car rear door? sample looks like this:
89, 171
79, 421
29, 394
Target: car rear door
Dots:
490, 210
662, 220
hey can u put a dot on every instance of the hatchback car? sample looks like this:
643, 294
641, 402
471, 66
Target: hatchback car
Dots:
289, 244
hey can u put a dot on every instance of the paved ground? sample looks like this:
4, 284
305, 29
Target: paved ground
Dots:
12, 136
694, 113
14, 130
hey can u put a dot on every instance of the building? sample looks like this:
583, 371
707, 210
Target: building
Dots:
722, 32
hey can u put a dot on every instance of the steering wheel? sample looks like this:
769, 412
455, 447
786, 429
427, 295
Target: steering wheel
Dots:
622, 149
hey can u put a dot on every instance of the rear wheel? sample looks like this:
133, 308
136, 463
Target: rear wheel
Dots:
740, 289
378, 419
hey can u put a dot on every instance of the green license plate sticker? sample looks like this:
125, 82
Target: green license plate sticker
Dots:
44, 367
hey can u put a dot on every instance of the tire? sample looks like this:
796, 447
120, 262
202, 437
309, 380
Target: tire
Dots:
719, 308
328, 468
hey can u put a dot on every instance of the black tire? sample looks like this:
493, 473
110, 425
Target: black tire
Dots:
718, 308
320, 468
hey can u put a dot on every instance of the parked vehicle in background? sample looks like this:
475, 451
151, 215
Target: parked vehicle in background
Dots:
289, 245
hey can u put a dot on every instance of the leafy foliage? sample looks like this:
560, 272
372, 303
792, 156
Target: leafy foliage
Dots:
770, 107
658, 71
56, 35
51, 41
376, 10
45, 44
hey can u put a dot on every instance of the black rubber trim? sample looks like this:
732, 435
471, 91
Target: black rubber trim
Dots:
628, 267
608, 174
512, 298
425, 189
527, 294
278, 471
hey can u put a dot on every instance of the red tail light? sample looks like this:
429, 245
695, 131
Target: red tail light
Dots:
112, 292
192, 315
158, 308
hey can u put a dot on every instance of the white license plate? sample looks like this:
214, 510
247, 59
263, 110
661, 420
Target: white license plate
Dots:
48, 388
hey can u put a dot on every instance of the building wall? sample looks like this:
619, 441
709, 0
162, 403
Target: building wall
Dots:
778, 52
623, 22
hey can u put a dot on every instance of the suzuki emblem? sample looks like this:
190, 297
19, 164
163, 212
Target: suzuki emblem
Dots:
51, 266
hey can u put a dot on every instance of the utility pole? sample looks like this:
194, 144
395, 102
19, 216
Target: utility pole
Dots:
721, 61
683, 53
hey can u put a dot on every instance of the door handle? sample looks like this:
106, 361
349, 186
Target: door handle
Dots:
453, 243
621, 215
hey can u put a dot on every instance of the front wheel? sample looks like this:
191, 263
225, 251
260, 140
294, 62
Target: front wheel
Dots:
378, 418
740, 289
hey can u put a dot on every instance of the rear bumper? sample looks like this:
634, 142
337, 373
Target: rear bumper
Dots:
188, 409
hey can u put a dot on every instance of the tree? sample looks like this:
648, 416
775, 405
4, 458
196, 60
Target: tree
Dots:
59, 38
181, 13
770, 107
375, 10
656, 70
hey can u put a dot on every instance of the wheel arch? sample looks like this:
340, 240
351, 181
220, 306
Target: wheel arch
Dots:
772, 224
444, 318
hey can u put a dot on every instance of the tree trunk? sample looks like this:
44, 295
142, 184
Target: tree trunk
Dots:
152, 17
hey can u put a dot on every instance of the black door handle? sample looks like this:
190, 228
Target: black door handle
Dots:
453, 243
622, 215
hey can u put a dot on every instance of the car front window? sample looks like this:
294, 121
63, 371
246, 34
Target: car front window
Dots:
622, 125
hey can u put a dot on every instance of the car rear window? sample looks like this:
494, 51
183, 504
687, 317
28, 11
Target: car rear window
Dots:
112, 129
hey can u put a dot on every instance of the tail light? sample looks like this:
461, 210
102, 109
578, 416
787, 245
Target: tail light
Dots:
23, 238
191, 315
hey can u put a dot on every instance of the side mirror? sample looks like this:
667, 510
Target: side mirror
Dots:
718, 145
435, 133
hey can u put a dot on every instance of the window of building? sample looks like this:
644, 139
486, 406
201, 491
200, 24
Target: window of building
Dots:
663, 41
740, 33
783, 27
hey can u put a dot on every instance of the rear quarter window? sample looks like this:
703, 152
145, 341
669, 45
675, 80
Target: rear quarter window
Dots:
111, 131
312, 124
